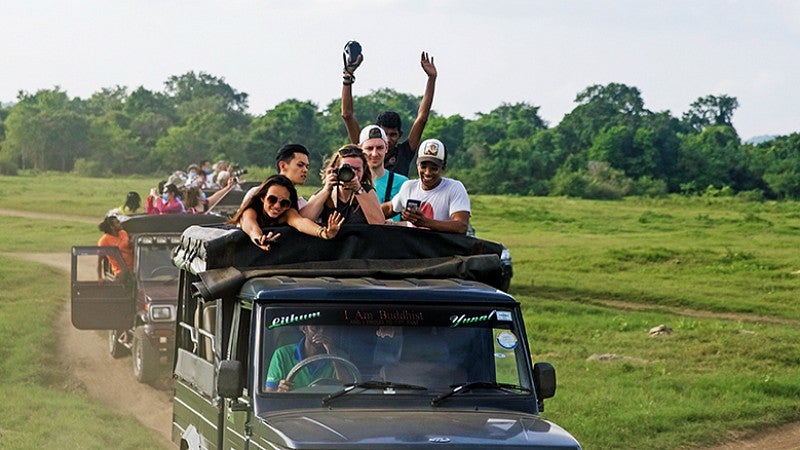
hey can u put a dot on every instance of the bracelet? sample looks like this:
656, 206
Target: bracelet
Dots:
320, 231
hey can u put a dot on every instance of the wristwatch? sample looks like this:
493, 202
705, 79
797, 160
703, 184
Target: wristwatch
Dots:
360, 190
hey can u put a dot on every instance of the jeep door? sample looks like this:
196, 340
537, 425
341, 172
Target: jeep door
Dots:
100, 301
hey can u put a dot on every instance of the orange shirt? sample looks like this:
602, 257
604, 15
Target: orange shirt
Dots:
121, 242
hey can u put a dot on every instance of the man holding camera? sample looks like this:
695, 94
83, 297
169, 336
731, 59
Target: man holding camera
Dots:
387, 183
347, 189
432, 201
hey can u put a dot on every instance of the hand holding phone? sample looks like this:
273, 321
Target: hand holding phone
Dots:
413, 205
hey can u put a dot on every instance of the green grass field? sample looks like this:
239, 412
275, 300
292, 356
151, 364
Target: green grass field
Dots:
593, 278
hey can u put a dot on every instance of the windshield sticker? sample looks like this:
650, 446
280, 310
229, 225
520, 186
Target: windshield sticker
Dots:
381, 317
507, 340
463, 319
293, 318
504, 316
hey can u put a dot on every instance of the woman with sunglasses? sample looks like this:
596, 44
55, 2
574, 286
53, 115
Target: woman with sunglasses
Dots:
274, 204
169, 202
348, 190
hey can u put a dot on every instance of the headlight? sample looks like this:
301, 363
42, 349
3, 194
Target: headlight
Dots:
505, 256
161, 313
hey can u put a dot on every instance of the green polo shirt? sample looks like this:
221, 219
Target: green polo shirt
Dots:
287, 357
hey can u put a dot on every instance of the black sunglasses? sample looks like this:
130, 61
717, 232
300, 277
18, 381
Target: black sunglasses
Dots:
350, 151
284, 203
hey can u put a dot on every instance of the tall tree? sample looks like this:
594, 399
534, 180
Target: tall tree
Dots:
711, 110
203, 136
600, 107
190, 86
711, 158
291, 121
46, 131
151, 114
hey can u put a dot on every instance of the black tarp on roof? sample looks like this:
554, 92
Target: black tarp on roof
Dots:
224, 255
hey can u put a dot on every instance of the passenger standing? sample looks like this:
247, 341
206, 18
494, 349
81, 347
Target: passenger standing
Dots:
387, 183
168, 203
292, 162
398, 156
115, 236
273, 204
347, 190
195, 202
131, 206
443, 203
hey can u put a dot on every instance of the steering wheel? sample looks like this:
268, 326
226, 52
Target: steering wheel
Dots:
323, 357
167, 270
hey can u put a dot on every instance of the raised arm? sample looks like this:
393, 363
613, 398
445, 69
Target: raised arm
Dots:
350, 122
217, 196
415, 135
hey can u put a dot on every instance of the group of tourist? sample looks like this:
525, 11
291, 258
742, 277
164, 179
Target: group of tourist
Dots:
364, 182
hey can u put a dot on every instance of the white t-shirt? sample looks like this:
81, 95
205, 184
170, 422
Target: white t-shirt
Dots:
439, 203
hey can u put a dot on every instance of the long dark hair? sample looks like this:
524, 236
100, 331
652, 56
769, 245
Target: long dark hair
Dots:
105, 225
133, 201
173, 189
257, 200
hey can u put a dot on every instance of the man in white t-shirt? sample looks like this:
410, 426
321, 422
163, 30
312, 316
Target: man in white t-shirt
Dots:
432, 201
292, 161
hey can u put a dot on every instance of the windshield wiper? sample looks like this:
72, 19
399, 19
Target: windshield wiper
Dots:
466, 387
374, 384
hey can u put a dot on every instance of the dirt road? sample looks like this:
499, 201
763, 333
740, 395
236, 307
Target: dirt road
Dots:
109, 381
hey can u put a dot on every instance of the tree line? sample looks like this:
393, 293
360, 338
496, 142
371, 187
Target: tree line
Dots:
610, 145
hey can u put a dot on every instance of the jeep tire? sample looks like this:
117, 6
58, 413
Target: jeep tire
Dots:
145, 358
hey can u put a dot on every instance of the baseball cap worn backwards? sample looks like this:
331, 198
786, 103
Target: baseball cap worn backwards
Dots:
372, 132
431, 150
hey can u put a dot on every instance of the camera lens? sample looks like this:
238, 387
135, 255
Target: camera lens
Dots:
345, 173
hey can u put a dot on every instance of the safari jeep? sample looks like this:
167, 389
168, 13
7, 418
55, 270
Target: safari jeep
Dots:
384, 337
137, 308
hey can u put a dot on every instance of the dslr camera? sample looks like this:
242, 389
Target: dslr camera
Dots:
344, 173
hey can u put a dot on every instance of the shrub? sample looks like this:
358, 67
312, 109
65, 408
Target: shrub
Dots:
8, 168
649, 187
89, 168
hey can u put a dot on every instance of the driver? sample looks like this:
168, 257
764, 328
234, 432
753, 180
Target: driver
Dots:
316, 340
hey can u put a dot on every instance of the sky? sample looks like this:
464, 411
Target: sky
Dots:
486, 52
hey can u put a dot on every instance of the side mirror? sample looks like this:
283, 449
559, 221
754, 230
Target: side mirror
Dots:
229, 379
544, 379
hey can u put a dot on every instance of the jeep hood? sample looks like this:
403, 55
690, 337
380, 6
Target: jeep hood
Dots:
161, 291
445, 429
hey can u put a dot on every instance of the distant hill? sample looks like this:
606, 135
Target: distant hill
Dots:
760, 139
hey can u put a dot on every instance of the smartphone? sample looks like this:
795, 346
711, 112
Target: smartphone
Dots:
413, 205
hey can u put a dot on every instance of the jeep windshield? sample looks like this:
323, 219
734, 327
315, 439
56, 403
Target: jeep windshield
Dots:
154, 258
408, 350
